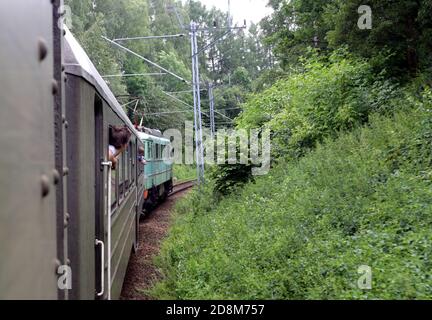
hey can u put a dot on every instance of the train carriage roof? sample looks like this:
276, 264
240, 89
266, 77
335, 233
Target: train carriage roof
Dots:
160, 140
79, 64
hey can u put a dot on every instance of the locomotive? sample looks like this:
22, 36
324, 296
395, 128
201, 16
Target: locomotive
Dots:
65, 210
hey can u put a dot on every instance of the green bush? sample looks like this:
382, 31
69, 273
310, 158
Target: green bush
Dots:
184, 172
302, 231
328, 97
229, 178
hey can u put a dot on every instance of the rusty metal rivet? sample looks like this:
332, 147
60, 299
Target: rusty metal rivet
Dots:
56, 176
42, 49
45, 185
54, 87
65, 171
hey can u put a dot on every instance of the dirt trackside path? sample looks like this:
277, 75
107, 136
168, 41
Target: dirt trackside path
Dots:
141, 272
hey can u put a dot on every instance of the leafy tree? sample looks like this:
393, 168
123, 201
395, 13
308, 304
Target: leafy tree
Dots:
329, 97
295, 26
400, 27
400, 38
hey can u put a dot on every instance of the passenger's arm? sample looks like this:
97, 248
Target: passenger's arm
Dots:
113, 160
119, 151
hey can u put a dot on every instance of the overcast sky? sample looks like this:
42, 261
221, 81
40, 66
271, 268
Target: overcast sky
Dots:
251, 10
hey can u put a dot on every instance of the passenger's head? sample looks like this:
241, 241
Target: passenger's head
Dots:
119, 136
141, 151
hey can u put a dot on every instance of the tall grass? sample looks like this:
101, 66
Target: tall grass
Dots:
184, 172
302, 231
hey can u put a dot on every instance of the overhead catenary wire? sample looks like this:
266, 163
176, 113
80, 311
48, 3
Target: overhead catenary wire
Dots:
146, 60
173, 112
180, 35
130, 102
168, 112
194, 29
184, 103
135, 75
185, 91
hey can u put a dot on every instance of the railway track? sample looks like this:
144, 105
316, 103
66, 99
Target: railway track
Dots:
182, 186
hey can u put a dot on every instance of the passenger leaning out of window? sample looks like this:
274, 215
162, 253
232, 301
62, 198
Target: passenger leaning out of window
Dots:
141, 158
119, 137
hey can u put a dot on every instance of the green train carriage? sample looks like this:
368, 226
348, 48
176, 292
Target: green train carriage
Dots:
77, 213
158, 173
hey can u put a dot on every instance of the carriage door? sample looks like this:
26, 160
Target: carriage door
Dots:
99, 200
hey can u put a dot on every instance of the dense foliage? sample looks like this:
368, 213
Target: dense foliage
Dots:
302, 231
401, 27
184, 173
329, 96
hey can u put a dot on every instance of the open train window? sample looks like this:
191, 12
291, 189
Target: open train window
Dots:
127, 168
114, 189
120, 174
140, 165
133, 161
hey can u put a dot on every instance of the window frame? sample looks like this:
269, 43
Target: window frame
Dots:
134, 160
127, 169
121, 177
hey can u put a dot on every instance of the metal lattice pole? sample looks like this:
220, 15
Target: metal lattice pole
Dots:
197, 104
212, 119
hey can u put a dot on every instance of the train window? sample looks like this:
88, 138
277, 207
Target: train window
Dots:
133, 161
120, 169
126, 167
157, 151
129, 164
146, 157
124, 161
162, 152
113, 188
150, 150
